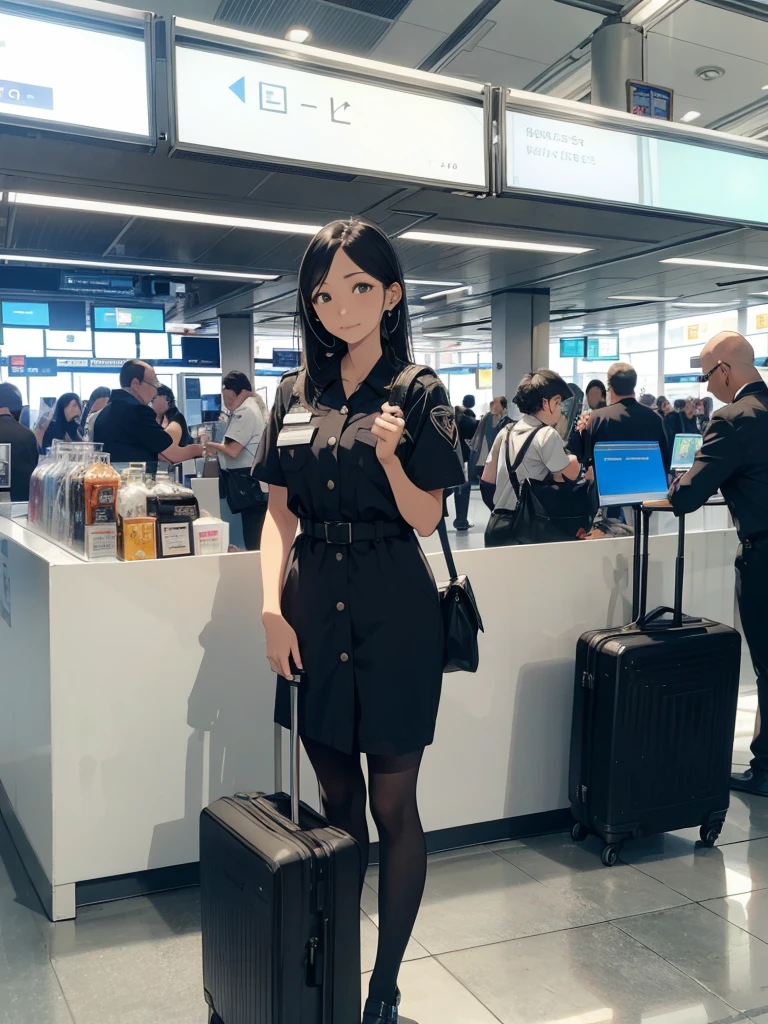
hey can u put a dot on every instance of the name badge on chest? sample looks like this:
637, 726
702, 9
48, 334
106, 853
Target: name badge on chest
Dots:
293, 419
291, 437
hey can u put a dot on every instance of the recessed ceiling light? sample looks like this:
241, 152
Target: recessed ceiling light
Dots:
447, 291
159, 213
692, 115
489, 243
437, 284
642, 298
698, 305
710, 73
691, 262
297, 35
144, 268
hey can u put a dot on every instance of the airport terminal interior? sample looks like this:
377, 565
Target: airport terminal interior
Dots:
569, 184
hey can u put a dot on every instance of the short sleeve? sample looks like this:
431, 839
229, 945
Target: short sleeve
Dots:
245, 425
434, 461
149, 433
553, 453
266, 466
495, 451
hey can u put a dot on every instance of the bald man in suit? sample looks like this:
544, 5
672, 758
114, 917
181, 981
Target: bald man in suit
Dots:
734, 459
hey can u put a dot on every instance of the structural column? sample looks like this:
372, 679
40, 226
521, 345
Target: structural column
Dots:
236, 341
520, 324
617, 57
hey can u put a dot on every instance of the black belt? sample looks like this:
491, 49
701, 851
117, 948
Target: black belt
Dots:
351, 533
756, 540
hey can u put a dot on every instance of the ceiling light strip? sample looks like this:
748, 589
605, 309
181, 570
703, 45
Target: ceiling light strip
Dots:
642, 298
227, 275
490, 243
447, 291
722, 264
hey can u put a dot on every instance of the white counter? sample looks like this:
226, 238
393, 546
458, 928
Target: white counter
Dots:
133, 694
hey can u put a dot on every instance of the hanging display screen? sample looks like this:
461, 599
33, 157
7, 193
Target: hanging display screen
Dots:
92, 79
127, 318
240, 105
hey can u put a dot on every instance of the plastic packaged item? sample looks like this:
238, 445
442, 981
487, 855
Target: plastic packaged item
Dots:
175, 508
101, 483
137, 539
133, 492
211, 536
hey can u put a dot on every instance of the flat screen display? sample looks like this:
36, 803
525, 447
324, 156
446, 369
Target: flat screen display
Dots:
286, 358
128, 318
200, 352
573, 348
211, 406
603, 348
114, 345
684, 451
66, 316
87, 78
25, 314
629, 473
649, 100
154, 346
237, 104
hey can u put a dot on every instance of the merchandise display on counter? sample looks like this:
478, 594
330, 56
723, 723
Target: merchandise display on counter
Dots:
79, 500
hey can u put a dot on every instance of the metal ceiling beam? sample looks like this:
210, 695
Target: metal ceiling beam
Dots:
609, 8
751, 8
456, 40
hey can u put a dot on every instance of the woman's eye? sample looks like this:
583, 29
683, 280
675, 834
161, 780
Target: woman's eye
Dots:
362, 288
322, 298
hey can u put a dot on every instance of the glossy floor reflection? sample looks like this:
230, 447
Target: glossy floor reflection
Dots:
534, 931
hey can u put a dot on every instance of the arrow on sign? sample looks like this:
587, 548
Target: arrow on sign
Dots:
238, 88
335, 110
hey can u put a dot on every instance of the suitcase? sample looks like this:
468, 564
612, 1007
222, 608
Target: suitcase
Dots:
280, 905
654, 719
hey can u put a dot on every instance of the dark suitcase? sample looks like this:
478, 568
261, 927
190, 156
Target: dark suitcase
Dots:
654, 719
280, 904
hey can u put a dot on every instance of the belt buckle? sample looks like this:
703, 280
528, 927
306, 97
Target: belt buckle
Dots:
336, 526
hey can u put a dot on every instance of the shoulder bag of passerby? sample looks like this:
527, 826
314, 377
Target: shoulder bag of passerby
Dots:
460, 614
500, 529
241, 489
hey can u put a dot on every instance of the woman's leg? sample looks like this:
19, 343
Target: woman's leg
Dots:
343, 789
403, 862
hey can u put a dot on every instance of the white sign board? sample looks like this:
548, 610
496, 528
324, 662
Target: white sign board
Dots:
77, 77
564, 158
243, 106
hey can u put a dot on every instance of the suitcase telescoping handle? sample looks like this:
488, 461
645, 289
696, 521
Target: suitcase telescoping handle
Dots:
640, 593
295, 757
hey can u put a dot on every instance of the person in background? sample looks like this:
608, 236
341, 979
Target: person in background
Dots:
169, 417
64, 424
624, 419
648, 400
127, 427
488, 429
704, 409
596, 395
94, 405
682, 420
466, 421
734, 460
539, 398
23, 443
663, 406
248, 417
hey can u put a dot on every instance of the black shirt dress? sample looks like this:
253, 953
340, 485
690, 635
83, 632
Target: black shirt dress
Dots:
366, 614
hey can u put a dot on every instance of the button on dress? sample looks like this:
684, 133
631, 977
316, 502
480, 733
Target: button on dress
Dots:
367, 614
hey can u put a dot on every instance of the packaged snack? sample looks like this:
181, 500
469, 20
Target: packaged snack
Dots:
137, 539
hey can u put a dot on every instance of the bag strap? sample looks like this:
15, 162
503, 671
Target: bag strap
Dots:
442, 529
401, 388
512, 469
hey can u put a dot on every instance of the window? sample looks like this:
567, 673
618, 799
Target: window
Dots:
23, 341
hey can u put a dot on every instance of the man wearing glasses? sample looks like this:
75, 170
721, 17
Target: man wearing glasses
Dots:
128, 428
734, 459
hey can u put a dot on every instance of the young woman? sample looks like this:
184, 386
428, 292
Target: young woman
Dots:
352, 600
64, 424
168, 416
94, 405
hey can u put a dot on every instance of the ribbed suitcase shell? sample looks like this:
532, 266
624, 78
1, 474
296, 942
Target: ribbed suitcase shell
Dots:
653, 727
280, 915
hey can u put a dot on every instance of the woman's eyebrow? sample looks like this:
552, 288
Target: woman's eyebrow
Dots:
354, 274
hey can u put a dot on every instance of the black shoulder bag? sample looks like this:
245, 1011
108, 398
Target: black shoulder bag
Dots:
500, 531
458, 607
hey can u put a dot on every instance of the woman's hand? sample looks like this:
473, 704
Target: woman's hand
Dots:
389, 429
282, 643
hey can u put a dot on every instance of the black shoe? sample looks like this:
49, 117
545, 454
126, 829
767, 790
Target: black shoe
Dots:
463, 529
380, 1013
751, 782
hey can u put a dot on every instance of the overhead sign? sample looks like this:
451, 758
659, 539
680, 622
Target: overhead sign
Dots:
98, 284
561, 157
649, 100
286, 358
78, 78
29, 366
246, 107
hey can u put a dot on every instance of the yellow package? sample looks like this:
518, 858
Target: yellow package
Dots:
138, 539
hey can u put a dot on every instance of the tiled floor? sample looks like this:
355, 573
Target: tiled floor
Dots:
534, 931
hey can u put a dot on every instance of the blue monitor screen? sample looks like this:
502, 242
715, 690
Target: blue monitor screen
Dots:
25, 314
684, 450
629, 473
573, 348
124, 318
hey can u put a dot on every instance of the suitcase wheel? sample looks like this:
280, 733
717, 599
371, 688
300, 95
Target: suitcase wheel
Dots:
711, 833
579, 833
610, 855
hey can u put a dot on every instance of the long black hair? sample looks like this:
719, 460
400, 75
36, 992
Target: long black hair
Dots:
96, 394
59, 427
371, 250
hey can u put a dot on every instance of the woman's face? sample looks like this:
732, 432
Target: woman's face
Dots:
667, 408
160, 405
350, 303
72, 411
